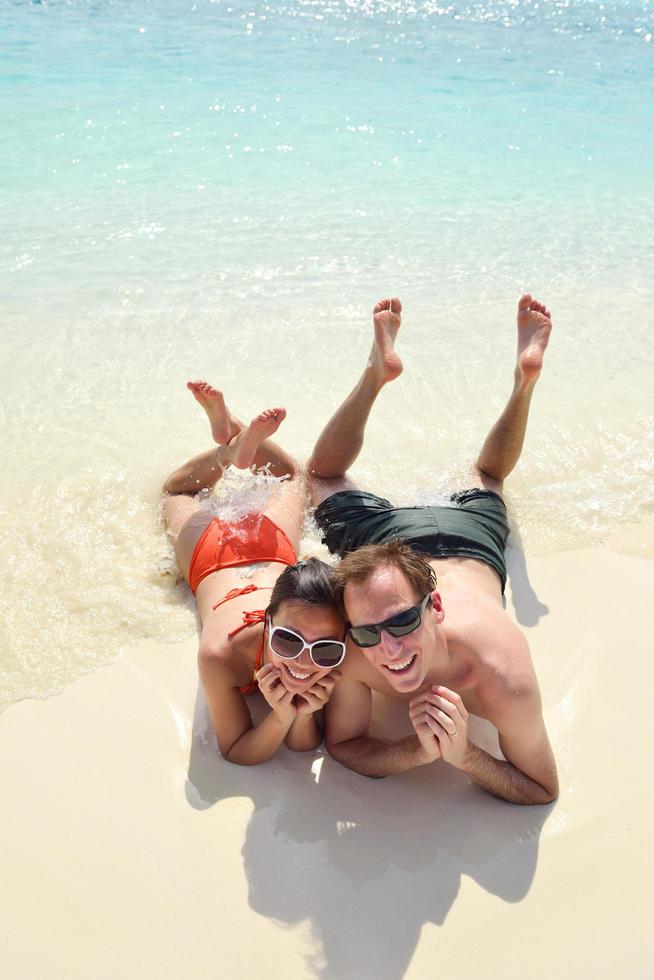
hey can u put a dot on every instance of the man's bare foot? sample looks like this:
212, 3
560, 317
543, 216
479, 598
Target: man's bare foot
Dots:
223, 426
534, 327
384, 362
243, 447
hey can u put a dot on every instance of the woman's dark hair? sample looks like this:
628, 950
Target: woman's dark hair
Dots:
310, 580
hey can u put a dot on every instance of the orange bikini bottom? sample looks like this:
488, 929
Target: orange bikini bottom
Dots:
225, 545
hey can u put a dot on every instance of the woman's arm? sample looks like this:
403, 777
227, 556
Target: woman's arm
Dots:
305, 733
238, 739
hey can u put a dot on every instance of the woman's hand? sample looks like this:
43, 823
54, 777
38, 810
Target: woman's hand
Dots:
279, 698
318, 695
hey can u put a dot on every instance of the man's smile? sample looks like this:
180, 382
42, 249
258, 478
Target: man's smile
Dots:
401, 665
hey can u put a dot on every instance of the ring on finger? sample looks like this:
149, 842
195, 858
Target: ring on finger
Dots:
456, 730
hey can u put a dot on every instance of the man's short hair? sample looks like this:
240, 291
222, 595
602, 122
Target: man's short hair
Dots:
360, 565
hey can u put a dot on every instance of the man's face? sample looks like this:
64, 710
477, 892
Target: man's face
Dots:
403, 660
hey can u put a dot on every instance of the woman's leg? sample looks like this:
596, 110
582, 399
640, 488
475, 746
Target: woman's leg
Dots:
186, 521
249, 445
224, 425
200, 473
186, 517
287, 507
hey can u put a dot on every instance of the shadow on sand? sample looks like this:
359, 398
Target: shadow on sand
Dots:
366, 862
527, 606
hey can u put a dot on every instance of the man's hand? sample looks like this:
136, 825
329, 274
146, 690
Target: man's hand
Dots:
440, 721
318, 695
276, 694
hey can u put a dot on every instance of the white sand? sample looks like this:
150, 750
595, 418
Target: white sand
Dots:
131, 850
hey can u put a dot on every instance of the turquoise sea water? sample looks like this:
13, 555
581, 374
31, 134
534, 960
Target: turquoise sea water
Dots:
171, 144
224, 189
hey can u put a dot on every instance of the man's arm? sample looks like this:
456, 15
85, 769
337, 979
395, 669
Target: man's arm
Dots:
526, 747
378, 757
347, 720
507, 781
528, 776
508, 696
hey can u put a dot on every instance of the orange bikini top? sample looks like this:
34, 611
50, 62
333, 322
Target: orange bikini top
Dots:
251, 617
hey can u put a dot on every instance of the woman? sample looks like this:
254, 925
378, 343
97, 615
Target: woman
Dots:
291, 648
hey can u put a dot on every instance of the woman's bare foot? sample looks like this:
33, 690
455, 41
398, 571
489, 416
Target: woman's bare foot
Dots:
243, 447
385, 363
223, 426
534, 327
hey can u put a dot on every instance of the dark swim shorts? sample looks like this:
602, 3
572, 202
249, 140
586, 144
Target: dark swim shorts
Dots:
474, 526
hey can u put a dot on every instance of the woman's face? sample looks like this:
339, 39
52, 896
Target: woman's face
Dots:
311, 623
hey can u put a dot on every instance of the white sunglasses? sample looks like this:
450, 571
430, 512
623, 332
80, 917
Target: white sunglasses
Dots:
289, 645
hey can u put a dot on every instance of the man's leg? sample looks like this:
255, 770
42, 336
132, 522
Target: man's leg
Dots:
503, 444
341, 440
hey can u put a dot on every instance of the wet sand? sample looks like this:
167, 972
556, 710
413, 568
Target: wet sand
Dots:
137, 852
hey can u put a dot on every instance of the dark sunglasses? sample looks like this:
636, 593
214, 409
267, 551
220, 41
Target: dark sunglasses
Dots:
398, 625
289, 645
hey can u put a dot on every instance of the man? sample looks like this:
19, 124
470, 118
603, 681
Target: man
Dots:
446, 651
